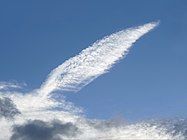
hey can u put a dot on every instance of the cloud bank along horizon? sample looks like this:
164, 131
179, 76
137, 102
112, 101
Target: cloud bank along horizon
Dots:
37, 115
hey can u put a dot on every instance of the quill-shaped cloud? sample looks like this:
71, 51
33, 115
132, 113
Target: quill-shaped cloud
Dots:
93, 61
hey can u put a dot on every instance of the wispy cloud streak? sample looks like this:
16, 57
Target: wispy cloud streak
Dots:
93, 61
11, 85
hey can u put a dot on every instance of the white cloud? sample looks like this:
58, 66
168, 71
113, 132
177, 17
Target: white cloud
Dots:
40, 112
11, 85
93, 61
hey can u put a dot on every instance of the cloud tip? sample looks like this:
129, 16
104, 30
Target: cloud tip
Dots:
150, 26
154, 24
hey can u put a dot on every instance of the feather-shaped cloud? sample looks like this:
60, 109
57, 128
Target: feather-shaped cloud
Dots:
93, 61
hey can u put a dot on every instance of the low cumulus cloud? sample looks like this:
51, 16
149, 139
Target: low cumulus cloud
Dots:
40, 130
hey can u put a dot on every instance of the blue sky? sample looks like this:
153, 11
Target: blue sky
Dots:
150, 82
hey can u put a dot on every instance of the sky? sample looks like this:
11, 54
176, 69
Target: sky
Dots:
37, 36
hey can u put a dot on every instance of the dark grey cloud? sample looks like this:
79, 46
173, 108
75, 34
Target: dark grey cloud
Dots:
40, 130
7, 108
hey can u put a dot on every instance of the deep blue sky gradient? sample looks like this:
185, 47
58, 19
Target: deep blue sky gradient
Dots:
38, 35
